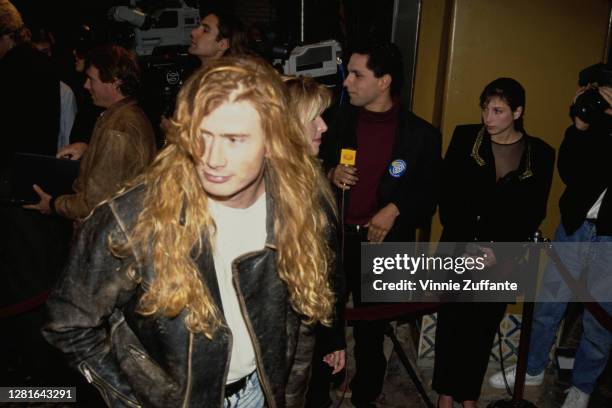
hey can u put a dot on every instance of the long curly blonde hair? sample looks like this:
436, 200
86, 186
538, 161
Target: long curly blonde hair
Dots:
175, 225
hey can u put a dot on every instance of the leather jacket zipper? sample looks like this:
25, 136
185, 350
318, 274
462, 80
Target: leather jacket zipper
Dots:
135, 353
105, 388
189, 373
227, 362
271, 403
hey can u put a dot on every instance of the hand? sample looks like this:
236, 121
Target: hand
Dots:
343, 176
73, 151
43, 205
579, 123
336, 360
381, 223
606, 93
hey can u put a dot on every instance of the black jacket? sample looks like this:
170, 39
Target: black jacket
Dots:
418, 144
29, 105
474, 206
585, 166
155, 361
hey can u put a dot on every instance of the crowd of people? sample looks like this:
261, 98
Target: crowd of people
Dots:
215, 271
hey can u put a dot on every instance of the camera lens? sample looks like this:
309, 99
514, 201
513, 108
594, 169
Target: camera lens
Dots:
589, 106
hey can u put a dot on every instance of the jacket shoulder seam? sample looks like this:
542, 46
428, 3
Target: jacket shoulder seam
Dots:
123, 228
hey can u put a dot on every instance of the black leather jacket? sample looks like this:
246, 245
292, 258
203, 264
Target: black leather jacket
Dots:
155, 361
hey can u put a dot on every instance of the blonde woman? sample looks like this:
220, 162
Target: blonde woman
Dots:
189, 289
308, 100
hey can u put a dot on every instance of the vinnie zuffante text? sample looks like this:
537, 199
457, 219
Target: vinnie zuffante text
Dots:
404, 263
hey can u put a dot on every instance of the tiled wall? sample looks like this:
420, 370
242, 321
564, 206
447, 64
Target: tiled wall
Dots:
510, 328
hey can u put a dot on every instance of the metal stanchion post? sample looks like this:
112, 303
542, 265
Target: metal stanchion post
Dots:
517, 400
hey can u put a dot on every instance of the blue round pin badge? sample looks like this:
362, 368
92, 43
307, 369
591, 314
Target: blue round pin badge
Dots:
397, 168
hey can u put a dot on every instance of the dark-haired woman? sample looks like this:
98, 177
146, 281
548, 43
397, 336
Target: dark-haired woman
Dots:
496, 182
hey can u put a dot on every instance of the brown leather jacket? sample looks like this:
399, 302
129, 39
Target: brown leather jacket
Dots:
122, 144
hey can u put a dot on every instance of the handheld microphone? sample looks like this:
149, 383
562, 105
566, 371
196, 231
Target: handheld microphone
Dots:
347, 158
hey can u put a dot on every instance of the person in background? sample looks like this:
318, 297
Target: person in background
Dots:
30, 96
390, 192
44, 41
495, 184
122, 144
33, 248
218, 34
87, 112
308, 100
586, 223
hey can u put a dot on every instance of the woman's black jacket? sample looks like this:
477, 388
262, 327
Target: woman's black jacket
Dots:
476, 207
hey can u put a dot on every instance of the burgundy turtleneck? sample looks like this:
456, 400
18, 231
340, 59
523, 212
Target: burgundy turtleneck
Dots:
375, 139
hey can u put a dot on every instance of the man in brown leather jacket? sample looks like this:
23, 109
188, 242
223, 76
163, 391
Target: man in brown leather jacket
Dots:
122, 143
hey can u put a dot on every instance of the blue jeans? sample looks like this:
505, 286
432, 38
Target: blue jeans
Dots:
251, 396
596, 341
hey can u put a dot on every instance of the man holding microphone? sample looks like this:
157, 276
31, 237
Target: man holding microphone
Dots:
388, 193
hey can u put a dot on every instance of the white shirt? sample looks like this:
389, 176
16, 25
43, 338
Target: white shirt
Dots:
594, 211
68, 111
239, 230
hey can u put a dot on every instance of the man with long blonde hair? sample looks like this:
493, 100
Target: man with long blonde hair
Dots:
192, 287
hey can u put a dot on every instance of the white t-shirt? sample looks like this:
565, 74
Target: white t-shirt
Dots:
594, 210
239, 230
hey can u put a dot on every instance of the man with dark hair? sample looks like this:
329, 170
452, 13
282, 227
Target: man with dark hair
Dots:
382, 59
122, 143
389, 192
218, 34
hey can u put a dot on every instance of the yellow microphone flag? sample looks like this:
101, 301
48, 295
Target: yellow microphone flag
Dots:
347, 157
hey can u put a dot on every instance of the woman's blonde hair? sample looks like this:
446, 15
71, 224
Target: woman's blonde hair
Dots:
308, 98
175, 223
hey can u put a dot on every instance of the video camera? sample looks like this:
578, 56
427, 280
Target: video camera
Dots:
319, 60
165, 27
590, 105
161, 35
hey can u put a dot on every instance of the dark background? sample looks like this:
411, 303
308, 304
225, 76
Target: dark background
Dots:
324, 19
